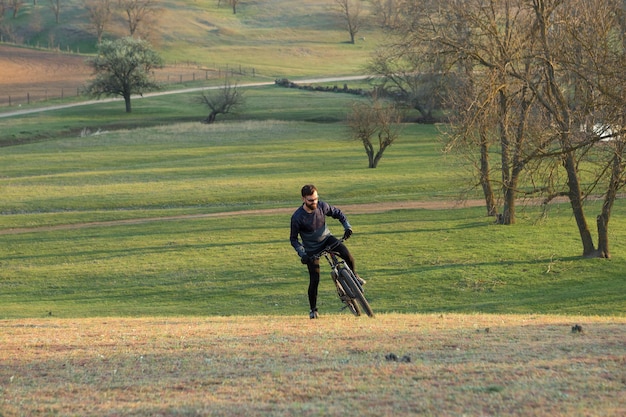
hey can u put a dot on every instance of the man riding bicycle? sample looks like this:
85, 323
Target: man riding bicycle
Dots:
309, 222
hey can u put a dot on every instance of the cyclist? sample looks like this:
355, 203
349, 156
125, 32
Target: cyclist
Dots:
309, 222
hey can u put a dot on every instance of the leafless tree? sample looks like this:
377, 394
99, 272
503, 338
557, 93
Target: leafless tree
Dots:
350, 11
137, 12
224, 100
234, 4
387, 12
485, 42
55, 6
413, 70
16, 5
377, 119
99, 13
537, 77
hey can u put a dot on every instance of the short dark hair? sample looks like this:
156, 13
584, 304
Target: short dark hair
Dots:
308, 189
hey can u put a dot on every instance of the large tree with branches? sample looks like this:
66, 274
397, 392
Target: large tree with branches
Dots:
122, 68
536, 79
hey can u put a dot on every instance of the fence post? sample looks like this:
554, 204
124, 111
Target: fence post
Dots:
27, 98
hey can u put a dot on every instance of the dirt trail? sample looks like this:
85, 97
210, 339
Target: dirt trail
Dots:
348, 209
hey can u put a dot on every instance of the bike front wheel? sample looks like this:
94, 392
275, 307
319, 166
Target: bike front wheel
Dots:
350, 279
343, 291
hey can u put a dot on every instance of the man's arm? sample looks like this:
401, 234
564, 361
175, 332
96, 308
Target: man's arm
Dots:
293, 238
336, 213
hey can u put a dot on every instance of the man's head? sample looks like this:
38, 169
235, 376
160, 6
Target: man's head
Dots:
309, 197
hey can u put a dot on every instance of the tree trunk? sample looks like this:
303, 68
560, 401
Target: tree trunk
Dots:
485, 180
575, 198
508, 213
210, 118
127, 102
603, 237
379, 155
617, 170
369, 150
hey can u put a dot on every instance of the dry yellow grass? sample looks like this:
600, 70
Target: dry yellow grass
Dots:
444, 365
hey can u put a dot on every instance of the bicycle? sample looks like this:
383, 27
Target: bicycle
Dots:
349, 287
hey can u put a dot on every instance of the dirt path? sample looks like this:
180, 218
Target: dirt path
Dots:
348, 209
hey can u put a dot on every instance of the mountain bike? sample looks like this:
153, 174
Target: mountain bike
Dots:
349, 287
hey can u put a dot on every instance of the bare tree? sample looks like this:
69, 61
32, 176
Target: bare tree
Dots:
538, 74
375, 119
350, 11
234, 4
99, 13
412, 69
224, 100
55, 6
137, 12
387, 12
16, 5
494, 105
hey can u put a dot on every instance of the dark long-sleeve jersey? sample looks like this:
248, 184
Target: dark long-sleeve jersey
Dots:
312, 227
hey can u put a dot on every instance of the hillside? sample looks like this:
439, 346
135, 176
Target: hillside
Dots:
277, 37
263, 40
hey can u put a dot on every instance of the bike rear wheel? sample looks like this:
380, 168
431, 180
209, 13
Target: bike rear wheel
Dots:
350, 279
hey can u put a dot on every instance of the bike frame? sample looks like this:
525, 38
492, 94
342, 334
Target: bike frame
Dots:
348, 286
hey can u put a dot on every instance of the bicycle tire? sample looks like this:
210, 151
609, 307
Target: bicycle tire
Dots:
348, 299
355, 289
354, 307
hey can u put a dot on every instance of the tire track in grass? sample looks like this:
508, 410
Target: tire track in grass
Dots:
348, 208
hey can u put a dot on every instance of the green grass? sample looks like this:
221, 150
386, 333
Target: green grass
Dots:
278, 38
261, 103
415, 260
215, 167
125, 223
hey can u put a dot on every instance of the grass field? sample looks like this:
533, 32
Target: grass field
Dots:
145, 268
393, 365
127, 248
125, 292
